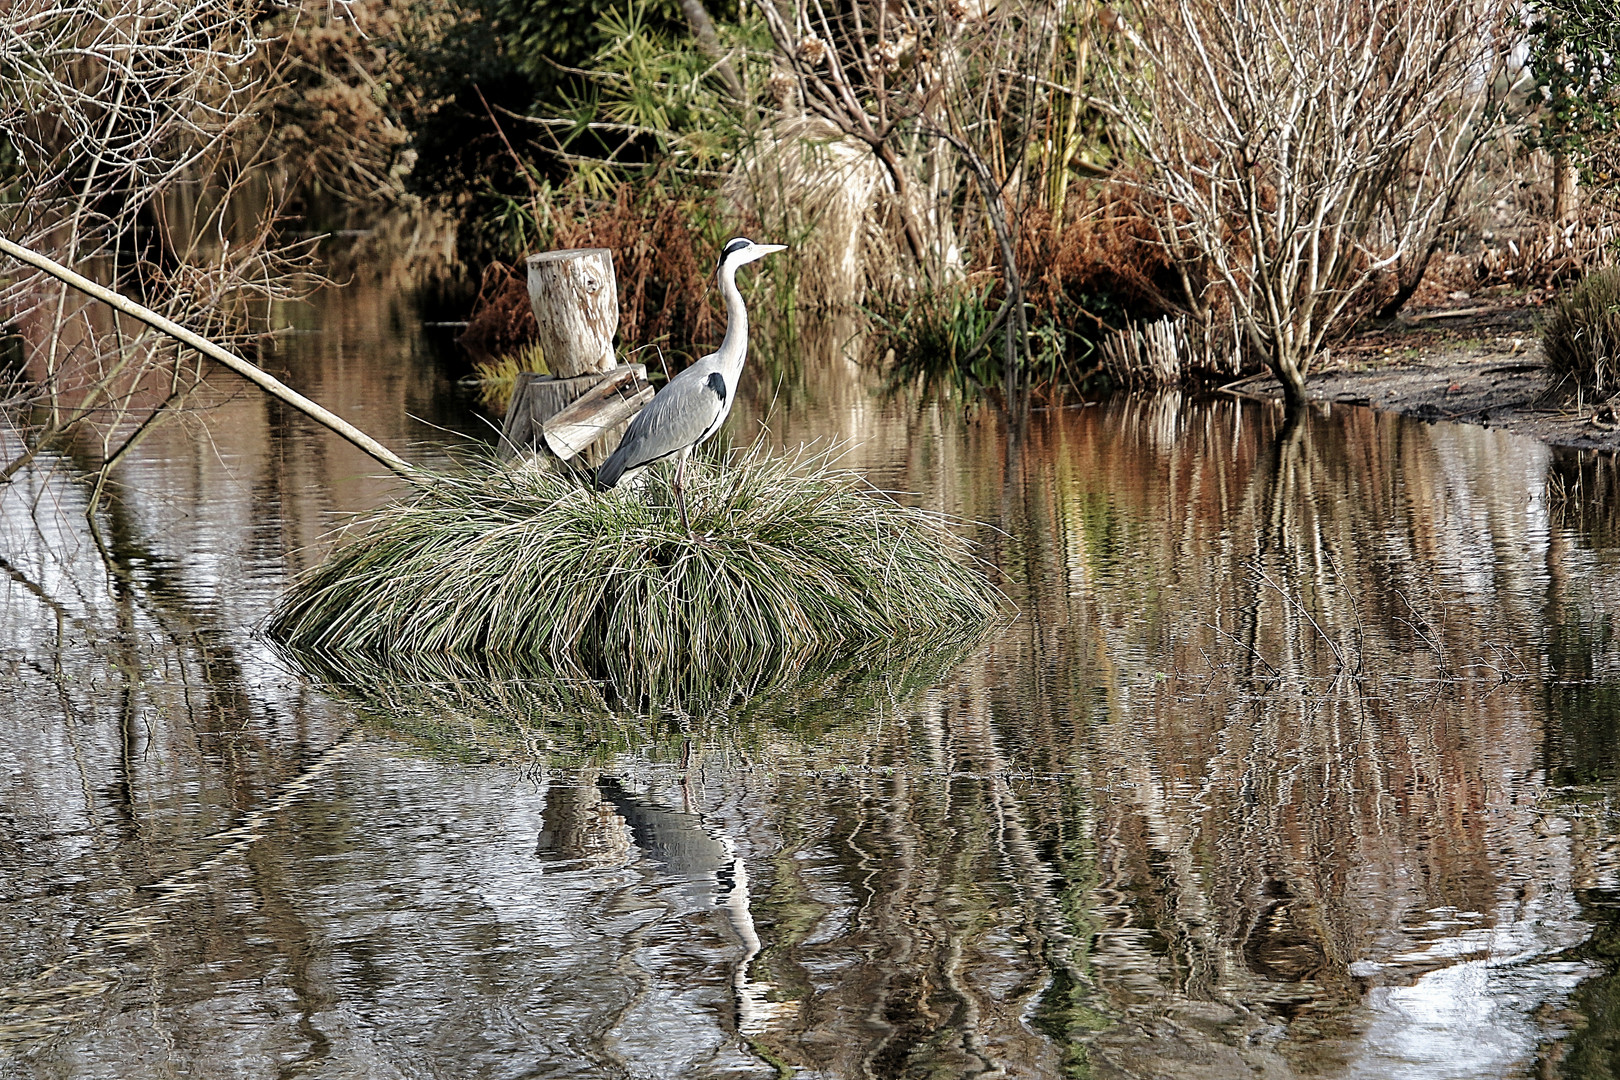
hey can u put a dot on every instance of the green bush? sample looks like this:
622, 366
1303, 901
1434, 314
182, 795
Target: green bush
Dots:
1581, 336
954, 337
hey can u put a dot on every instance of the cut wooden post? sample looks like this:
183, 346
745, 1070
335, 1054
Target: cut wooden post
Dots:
576, 303
585, 402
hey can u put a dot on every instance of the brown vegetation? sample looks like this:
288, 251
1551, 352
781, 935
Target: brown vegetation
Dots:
340, 86
134, 160
663, 259
502, 321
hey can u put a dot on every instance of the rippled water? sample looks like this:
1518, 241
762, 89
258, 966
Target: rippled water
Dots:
1298, 758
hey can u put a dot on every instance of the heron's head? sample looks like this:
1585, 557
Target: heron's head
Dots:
743, 250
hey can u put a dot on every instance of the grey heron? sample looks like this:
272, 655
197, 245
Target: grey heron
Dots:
691, 407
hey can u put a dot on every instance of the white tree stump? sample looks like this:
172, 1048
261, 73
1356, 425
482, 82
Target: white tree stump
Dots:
575, 297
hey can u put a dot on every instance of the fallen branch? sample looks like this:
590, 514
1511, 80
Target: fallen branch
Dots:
263, 379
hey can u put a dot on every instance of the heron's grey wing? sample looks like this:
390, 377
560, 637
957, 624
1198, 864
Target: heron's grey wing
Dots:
676, 417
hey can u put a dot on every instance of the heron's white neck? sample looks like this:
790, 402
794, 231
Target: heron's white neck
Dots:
734, 349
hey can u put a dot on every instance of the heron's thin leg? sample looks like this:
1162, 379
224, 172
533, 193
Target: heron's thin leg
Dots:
680, 489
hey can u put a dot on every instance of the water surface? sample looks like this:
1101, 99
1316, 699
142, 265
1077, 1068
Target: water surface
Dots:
1298, 759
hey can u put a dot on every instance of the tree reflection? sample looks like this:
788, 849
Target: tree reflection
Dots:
1304, 647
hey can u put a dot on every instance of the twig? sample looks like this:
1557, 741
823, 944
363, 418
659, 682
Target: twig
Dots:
534, 189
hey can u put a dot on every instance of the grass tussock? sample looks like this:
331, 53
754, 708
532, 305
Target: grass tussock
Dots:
496, 377
1581, 336
528, 572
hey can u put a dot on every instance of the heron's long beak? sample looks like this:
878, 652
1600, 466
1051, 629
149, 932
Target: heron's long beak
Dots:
759, 251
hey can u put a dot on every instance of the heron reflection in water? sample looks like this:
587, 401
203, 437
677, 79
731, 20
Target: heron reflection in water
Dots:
604, 824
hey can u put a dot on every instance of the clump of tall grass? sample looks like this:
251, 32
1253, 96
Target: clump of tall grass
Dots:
496, 377
943, 337
1581, 337
956, 337
529, 572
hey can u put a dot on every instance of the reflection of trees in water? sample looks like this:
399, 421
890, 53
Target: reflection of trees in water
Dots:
1581, 693
1583, 496
909, 911
158, 755
1291, 646
1583, 618
903, 913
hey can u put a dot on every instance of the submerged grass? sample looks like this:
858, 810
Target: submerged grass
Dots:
527, 572
569, 724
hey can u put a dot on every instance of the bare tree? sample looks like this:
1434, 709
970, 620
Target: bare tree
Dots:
1302, 149
134, 153
863, 69
971, 104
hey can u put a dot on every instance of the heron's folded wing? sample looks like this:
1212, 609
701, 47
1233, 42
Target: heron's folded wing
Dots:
673, 420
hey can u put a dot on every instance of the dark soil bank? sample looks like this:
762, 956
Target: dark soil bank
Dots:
1478, 365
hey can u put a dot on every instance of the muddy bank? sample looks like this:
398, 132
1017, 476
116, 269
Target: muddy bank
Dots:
1472, 363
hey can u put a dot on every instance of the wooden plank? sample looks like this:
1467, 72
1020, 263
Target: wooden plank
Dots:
516, 427
536, 399
604, 407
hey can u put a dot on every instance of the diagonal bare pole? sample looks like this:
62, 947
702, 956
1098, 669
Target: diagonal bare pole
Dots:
259, 377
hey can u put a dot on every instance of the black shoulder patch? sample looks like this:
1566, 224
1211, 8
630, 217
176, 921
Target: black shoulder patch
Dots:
717, 383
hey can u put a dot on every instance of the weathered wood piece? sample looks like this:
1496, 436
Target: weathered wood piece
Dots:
575, 297
603, 408
568, 416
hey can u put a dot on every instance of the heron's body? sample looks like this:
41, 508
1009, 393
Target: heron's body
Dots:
684, 415
688, 411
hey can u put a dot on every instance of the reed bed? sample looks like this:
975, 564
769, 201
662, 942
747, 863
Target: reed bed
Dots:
528, 572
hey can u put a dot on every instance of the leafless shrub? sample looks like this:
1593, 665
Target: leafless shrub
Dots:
973, 111
129, 125
1301, 149
857, 70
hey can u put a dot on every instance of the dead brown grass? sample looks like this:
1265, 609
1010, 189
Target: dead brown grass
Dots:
502, 321
1106, 251
663, 257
